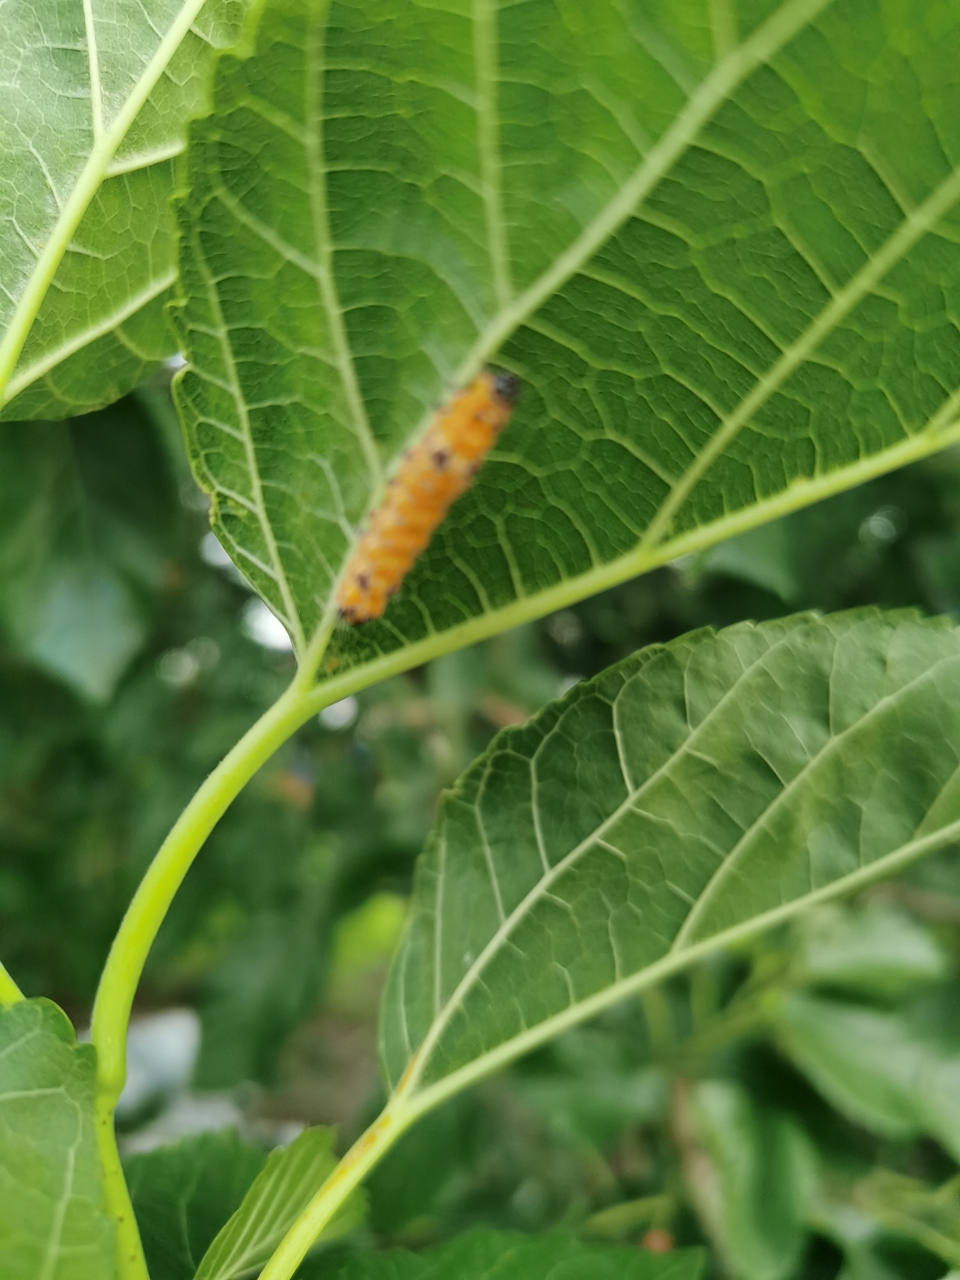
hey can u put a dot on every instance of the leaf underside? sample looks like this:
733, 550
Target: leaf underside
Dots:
698, 790
68, 72
722, 258
51, 1220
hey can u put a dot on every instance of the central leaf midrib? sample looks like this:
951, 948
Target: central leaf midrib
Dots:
485, 73
711, 94
917, 223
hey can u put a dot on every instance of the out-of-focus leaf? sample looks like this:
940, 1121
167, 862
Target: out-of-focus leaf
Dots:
52, 1222
762, 556
755, 1187
696, 792
93, 103
85, 510
722, 261
266, 982
288, 1181
592, 1094
928, 1215
875, 949
878, 1068
182, 1195
480, 1254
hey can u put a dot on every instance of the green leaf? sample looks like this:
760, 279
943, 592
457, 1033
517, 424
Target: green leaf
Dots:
872, 948
879, 1068
85, 515
51, 1220
762, 557
483, 1254
93, 103
928, 1215
183, 1194
688, 797
717, 244
285, 1186
754, 1188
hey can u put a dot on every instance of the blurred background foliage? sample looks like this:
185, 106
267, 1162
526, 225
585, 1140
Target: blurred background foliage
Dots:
795, 1105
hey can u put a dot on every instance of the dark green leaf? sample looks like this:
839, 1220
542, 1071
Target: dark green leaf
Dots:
182, 1196
85, 510
878, 1068
483, 1255
755, 1188
51, 1220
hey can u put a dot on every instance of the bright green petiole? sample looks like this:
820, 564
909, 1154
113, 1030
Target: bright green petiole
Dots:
147, 910
10, 993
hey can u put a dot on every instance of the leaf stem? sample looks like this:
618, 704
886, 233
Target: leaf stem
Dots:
145, 914
150, 903
131, 1264
10, 993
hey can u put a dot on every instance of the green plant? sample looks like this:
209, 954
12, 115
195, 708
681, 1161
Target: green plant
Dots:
717, 244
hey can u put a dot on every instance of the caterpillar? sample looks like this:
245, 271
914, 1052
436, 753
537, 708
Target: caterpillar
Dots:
432, 474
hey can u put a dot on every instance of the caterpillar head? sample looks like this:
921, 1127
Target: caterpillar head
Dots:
507, 387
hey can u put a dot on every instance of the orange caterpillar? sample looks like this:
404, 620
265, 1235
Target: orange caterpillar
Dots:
432, 474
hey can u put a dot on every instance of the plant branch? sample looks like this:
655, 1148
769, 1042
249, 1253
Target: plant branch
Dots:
131, 1264
145, 914
10, 993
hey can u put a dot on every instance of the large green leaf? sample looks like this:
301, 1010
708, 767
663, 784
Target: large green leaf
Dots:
879, 1068
928, 1215
93, 102
51, 1221
751, 1175
691, 795
718, 243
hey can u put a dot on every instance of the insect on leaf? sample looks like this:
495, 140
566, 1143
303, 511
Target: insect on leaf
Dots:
717, 242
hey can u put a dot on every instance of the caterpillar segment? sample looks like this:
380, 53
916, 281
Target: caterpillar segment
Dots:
432, 474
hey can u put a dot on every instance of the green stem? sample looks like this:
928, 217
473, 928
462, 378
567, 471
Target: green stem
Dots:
131, 1264
128, 954
10, 993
